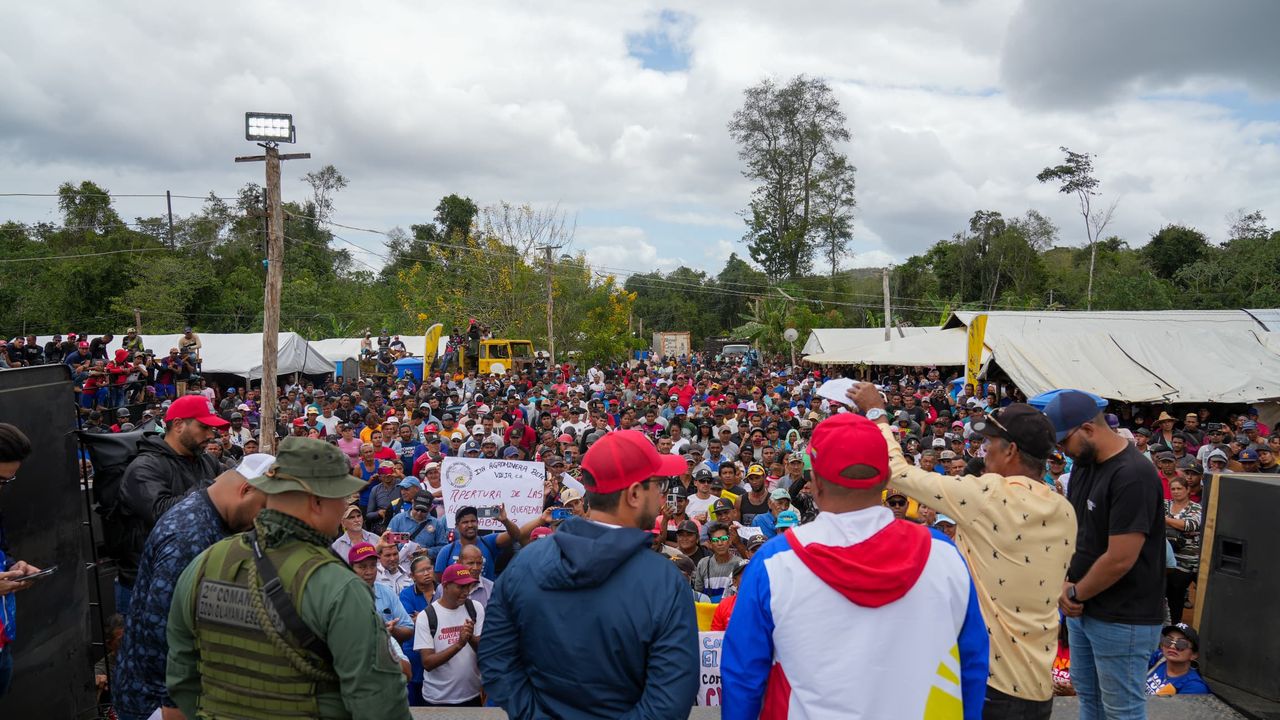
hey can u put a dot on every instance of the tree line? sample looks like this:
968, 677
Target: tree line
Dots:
91, 271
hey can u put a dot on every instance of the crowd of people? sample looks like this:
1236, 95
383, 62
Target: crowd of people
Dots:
995, 554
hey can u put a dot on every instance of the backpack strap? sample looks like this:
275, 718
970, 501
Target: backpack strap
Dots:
432, 620
471, 609
418, 529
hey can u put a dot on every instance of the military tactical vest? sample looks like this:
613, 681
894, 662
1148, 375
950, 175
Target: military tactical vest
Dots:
242, 673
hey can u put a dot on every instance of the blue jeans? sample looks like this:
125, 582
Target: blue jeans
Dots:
1109, 667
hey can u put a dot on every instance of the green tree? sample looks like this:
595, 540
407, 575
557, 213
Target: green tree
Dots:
1075, 176
1174, 247
788, 138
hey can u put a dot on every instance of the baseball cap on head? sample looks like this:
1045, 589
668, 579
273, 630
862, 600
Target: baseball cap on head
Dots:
845, 441
1069, 409
623, 458
311, 466
788, 518
458, 574
361, 551
194, 407
1021, 424
255, 465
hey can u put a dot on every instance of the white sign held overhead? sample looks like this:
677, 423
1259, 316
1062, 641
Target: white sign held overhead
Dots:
834, 390
488, 483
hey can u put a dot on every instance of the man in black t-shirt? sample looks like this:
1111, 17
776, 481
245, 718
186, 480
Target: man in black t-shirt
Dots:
1115, 580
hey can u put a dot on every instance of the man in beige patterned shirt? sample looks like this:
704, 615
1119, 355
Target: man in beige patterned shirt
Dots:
1017, 536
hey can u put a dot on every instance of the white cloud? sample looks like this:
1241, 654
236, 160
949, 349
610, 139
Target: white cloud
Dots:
544, 104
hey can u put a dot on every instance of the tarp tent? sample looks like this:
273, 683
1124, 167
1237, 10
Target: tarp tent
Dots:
343, 348
1222, 356
944, 347
823, 340
238, 354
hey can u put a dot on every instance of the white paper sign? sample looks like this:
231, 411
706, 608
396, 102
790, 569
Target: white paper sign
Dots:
709, 668
834, 390
481, 483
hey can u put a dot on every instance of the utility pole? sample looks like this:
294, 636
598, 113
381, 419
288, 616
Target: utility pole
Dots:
884, 276
551, 338
271, 298
168, 201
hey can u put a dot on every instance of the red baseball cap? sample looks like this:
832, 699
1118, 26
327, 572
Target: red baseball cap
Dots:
361, 551
845, 440
625, 457
194, 407
458, 574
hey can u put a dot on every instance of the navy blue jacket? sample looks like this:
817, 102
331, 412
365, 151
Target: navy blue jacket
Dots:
591, 623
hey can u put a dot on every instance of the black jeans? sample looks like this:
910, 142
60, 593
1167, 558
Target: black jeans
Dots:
1175, 591
1000, 706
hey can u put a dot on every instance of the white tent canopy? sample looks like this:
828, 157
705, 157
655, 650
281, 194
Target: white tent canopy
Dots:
1222, 356
338, 349
825, 340
238, 354
943, 347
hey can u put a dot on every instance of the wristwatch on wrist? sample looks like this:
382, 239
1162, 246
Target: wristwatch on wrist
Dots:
1071, 593
875, 414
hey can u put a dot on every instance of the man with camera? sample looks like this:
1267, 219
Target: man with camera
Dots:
467, 532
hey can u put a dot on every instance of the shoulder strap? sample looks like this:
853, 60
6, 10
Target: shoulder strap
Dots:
432, 620
471, 609
276, 594
418, 529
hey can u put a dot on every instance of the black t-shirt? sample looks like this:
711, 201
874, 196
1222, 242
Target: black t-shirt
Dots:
750, 510
1120, 496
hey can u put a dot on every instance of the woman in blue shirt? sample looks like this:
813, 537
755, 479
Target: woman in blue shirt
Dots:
1171, 671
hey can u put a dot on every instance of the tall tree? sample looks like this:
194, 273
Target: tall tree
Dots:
788, 138
1076, 177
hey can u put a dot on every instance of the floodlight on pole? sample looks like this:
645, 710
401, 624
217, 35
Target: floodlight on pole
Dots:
268, 130
269, 127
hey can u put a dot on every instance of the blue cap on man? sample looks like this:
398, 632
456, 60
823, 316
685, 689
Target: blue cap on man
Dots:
1070, 409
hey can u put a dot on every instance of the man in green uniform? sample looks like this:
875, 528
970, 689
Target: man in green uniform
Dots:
270, 623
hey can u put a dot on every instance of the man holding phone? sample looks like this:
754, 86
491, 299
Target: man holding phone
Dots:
14, 448
467, 531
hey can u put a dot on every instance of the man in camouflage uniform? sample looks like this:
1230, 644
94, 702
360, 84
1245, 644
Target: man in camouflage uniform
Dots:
270, 623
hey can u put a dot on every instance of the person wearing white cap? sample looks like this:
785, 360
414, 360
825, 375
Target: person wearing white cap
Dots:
201, 519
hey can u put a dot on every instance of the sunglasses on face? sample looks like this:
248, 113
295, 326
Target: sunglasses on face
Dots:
719, 538
896, 503
1172, 643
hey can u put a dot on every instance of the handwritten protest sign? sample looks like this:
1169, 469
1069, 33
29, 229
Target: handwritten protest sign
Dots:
481, 482
709, 670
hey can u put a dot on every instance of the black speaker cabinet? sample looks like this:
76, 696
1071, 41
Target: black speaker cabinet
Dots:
44, 514
1238, 589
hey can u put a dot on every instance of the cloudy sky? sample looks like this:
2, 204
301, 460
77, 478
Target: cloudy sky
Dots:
616, 111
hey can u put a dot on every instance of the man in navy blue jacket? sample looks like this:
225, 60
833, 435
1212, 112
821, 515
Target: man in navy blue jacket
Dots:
594, 624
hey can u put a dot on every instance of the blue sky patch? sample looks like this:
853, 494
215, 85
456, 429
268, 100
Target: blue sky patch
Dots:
664, 45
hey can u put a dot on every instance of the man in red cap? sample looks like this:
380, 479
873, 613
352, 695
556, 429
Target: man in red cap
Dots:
833, 612
165, 470
619, 590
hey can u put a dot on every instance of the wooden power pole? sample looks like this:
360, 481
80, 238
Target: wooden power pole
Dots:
551, 337
884, 276
271, 296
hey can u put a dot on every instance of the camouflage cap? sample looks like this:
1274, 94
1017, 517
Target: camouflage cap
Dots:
311, 466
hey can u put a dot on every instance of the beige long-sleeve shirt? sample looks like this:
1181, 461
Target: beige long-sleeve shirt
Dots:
1017, 536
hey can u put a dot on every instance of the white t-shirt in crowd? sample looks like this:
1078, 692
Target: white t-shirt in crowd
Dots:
698, 506
459, 679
